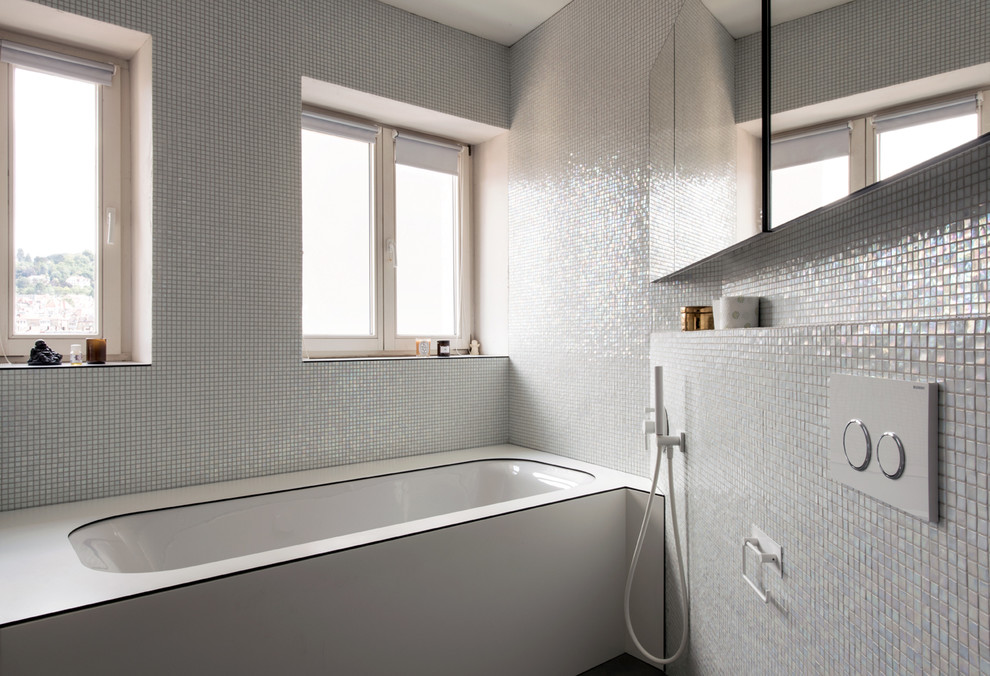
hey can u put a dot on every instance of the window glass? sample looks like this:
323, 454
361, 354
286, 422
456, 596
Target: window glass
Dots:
382, 238
55, 152
806, 187
809, 170
338, 236
426, 227
905, 146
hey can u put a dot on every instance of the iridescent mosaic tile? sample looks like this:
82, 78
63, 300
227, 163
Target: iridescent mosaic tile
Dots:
892, 284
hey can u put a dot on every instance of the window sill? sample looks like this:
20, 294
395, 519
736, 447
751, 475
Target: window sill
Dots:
64, 365
404, 358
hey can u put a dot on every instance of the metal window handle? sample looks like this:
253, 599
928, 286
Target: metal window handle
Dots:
111, 225
390, 253
765, 557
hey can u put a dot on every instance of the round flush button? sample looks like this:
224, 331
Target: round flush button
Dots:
856, 444
888, 445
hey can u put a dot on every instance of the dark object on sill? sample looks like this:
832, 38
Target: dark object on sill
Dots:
443, 348
96, 350
42, 355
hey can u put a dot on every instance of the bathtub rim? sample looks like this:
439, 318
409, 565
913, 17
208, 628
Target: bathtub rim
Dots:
41, 575
326, 483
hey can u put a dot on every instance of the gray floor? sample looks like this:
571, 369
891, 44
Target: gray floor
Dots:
623, 665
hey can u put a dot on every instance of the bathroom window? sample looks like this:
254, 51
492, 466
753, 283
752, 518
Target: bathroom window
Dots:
62, 152
384, 251
812, 168
910, 137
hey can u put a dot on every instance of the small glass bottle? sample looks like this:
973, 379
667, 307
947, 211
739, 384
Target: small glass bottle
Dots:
422, 347
76, 354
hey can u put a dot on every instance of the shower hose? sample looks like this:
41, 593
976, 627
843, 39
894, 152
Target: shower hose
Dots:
668, 451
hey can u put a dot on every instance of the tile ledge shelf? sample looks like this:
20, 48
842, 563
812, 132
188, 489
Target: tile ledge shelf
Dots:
824, 325
64, 365
315, 360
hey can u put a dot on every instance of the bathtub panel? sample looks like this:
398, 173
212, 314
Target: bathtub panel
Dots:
646, 602
535, 592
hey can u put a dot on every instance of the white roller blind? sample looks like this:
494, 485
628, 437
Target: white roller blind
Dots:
815, 146
423, 153
356, 131
46, 61
932, 113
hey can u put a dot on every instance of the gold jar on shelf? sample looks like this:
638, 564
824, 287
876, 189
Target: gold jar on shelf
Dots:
697, 318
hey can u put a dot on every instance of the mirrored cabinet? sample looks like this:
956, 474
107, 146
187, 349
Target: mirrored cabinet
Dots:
859, 92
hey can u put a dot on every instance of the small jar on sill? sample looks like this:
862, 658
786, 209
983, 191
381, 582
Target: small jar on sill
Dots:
697, 318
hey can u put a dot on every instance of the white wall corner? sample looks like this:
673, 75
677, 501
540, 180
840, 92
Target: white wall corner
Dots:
142, 188
491, 224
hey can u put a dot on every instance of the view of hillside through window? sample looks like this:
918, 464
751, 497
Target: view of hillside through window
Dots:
54, 293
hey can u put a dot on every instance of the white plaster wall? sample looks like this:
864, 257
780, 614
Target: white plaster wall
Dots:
491, 221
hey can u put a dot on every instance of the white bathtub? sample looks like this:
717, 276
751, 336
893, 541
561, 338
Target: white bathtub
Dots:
484, 561
189, 535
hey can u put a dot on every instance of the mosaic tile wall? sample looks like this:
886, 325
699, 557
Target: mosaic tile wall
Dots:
693, 141
861, 46
894, 284
661, 159
705, 143
578, 229
228, 395
889, 287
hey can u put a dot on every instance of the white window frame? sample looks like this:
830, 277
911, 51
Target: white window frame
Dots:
982, 119
809, 146
113, 209
863, 133
387, 342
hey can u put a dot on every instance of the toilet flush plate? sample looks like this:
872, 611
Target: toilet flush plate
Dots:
883, 440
